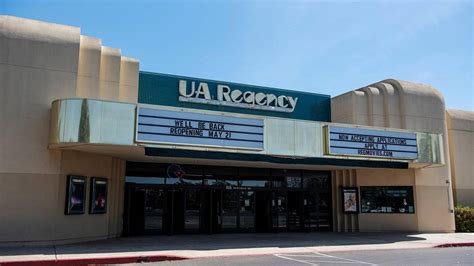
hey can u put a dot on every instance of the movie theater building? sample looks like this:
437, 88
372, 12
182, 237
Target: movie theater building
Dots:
93, 148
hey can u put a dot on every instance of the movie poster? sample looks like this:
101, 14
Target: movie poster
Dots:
98, 201
75, 194
350, 200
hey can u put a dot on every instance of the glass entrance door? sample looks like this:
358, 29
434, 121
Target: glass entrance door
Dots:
155, 202
247, 211
295, 210
230, 210
192, 211
279, 211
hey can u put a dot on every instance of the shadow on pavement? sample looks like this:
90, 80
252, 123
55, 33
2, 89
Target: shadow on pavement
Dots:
215, 242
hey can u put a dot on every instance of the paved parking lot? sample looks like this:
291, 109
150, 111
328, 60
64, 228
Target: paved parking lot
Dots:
432, 257
158, 248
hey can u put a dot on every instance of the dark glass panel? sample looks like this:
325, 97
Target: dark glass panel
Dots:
192, 209
184, 174
230, 208
387, 199
221, 176
145, 180
324, 202
316, 180
154, 205
279, 205
247, 210
254, 177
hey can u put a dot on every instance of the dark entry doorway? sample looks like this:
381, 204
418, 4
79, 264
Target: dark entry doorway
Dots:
224, 199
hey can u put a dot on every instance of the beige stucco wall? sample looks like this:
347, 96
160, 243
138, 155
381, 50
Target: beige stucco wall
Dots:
461, 152
39, 63
405, 105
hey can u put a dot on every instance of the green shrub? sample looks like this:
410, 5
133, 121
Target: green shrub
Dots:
464, 217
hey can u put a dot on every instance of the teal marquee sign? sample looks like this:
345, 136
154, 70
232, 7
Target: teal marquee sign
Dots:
195, 93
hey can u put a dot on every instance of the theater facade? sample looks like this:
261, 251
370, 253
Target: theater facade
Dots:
94, 148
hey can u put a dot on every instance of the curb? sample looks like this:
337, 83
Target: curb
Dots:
157, 258
455, 245
87, 261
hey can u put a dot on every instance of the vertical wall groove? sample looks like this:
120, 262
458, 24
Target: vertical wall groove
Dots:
343, 222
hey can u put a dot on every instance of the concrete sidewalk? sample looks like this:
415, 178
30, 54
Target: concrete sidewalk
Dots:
156, 248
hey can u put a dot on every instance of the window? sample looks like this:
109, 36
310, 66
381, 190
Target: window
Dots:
315, 180
220, 176
387, 200
254, 177
184, 175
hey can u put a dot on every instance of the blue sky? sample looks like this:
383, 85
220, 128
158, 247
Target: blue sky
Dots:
327, 47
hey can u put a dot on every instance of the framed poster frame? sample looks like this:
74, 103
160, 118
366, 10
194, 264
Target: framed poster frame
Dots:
75, 192
350, 200
98, 195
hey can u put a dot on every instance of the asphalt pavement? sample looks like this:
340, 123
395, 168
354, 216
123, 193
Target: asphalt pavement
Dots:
190, 247
432, 257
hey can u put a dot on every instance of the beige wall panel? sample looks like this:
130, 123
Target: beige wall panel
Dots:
89, 57
425, 124
387, 222
434, 214
108, 90
116, 200
350, 108
434, 199
394, 121
87, 87
391, 100
464, 196
25, 121
85, 164
109, 82
89, 67
385, 177
461, 120
28, 203
377, 120
360, 114
37, 44
129, 69
375, 107
360, 119
38, 63
341, 108
421, 100
463, 152
461, 149
128, 94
